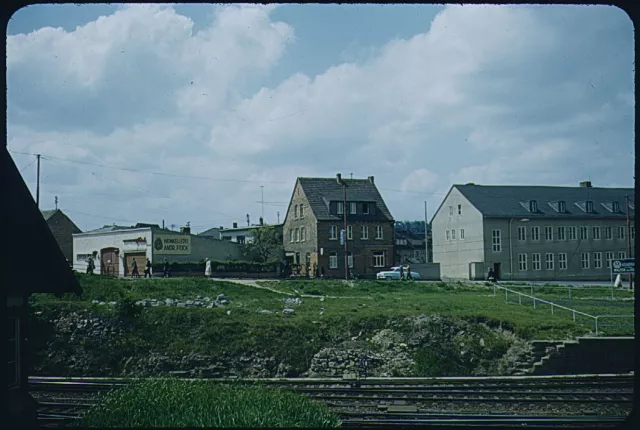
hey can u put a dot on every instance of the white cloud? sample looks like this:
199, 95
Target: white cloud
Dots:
484, 94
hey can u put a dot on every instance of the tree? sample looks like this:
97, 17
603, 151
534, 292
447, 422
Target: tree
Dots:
266, 244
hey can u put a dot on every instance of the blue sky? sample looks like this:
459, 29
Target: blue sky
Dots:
419, 96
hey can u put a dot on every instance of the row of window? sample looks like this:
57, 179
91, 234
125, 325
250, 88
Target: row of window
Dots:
451, 234
571, 233
353, 208
496, 235
299, 234
298, 211
378, 259
451, 210
585, 260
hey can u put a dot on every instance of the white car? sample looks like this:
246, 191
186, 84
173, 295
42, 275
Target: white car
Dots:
394, 273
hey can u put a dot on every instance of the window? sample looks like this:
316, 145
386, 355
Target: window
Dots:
352, 207
596, 233
462, 234
562, 261
562, 206
561, 233
333, 260
622, 254
364, 232
378, 232
297, 235
448, 234
522, 262
548, 233
349, 232
548, 259
333, 232
609, 256
597, 260
13, 352
378, 259
615, 207
535, 233
450, 210
589, 206
573, 233
365, 208
535, 261
303, 235
301, 211
584, 233
340, 208
292, 236
82, 257
453, 234
533, 206
522, 233
496, 246
459, 209
620, 232
608, 233
295, 211
584, 260
350, 260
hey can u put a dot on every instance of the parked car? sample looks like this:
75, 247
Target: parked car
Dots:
394, 273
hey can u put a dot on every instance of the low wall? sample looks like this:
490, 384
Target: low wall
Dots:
427, 271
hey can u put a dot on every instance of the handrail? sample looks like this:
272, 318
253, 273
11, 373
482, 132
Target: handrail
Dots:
573, 311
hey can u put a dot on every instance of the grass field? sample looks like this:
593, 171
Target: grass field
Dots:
176, 403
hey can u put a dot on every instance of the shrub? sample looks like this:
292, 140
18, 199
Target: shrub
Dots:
218, 266
180, 403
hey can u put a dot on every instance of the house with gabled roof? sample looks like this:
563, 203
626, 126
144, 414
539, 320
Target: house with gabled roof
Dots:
315, 223
63, 230
544, 233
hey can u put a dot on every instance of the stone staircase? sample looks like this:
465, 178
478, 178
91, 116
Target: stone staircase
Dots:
541, 352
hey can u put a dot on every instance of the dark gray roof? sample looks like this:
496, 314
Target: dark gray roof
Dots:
108, 228
320, 191
46, 214
512, 201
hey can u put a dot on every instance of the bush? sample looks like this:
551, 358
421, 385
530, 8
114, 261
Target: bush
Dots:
179, 403
218, 266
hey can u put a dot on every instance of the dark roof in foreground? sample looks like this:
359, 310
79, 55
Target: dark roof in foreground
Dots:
46, 214
319, 191
31, 240
512, 201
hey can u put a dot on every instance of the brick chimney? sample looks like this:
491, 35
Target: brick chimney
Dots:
370, 178
235, 225
585, 184
339, 178
261, 221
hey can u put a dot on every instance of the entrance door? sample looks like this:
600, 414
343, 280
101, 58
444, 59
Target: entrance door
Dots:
109, 262
496, 270
141, 259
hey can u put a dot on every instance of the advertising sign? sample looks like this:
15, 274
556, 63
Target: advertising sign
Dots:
625, 265
172, 244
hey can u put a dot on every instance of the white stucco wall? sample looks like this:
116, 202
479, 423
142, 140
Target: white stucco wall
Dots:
86, 243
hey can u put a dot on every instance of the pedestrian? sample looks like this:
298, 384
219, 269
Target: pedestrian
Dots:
165, 269
409, 277
321, 272
90, 266
147, 270
134, 269
491, 276
401, 273
207, 268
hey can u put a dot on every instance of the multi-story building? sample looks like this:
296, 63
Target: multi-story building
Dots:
315, 219
411, 244
239, 234
63, 230
533, 232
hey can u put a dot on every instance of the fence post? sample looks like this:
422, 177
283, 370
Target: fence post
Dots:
596, 325
570, 303
531, 290
551, 308
574, 315
494, 289
519, 299
506, 293
534, 303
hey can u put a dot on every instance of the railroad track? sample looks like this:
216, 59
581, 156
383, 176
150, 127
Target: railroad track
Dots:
402, 401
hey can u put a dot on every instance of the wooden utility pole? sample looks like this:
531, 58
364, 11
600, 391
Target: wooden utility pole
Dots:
626, 198
38, 183
56, 200
346, 255
426, 234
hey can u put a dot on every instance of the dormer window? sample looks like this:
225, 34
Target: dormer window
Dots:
533, 206
589, 206
340, 208
615, 207
562, 206
365, 208
352, 207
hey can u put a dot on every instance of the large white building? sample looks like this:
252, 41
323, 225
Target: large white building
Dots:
114, 248
533, 232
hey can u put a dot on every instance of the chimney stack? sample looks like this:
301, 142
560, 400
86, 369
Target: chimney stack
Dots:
585, 184
370, 178
339, 177
261, 221
248, 221
185, 230
235, 225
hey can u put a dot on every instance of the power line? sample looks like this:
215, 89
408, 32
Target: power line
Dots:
32, 161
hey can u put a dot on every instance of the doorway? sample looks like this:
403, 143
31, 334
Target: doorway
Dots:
109, 262
496, 270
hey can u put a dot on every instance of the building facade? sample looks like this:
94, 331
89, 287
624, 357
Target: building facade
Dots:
533, 232
314, 224
63, 230
239, 234
115, 247
411, 244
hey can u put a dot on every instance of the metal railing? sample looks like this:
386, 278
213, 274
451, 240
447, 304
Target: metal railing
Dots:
553, 305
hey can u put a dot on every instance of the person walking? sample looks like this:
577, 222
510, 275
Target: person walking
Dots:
401, 273
90, 266
147, 270
409, 277
491, 276
134, 269
207, 268
165, 269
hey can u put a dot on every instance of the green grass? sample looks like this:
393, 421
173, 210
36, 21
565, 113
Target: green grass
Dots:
179, 403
